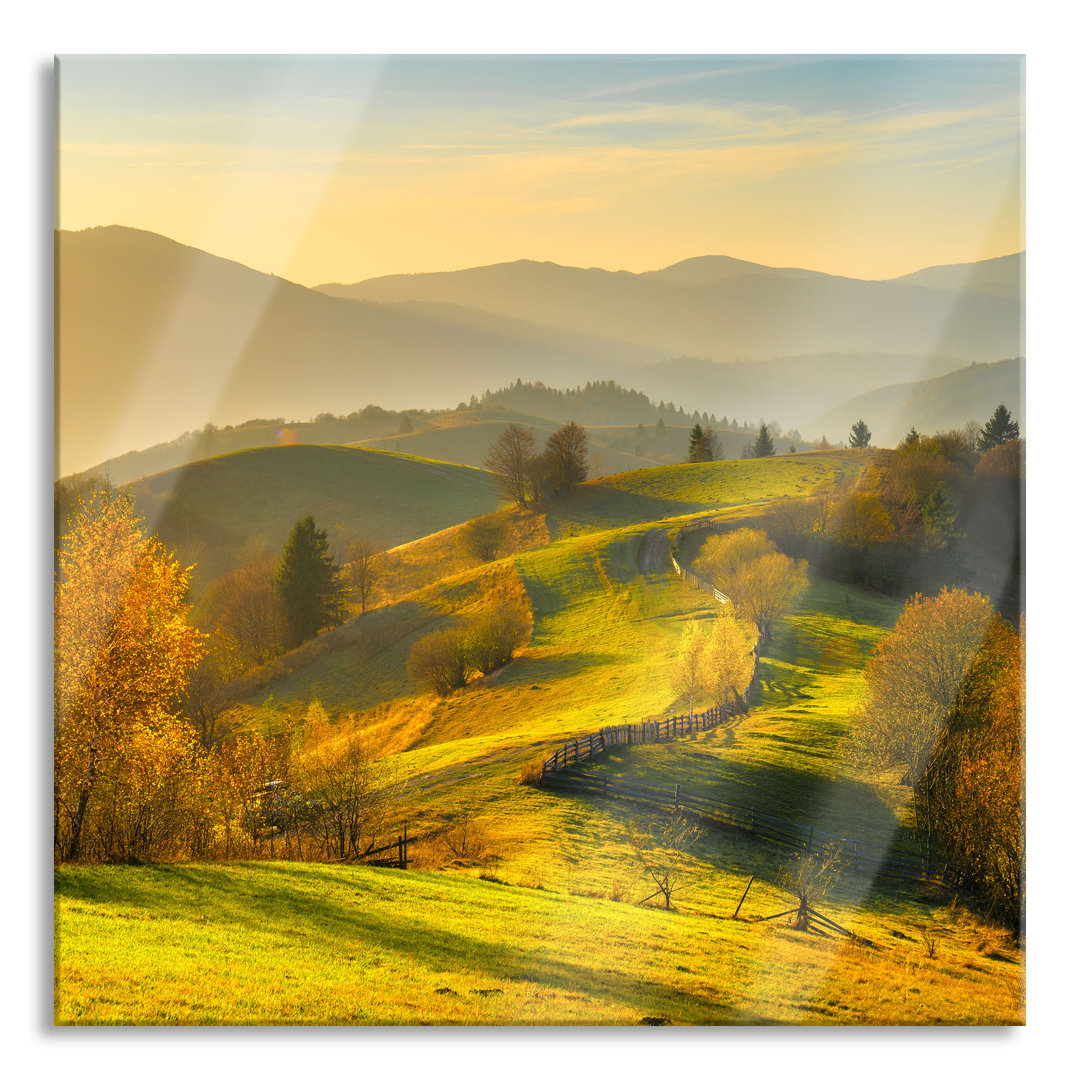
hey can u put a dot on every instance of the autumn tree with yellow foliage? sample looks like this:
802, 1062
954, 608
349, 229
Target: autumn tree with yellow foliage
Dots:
122, 651
761, 581
945, 701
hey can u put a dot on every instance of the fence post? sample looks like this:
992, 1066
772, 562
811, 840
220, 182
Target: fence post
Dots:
753, 822
400, 854
856, 856
676, 796
810, 842
405, 849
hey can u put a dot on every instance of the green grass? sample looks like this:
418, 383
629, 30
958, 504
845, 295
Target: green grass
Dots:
211, 509
285, 943
672, 491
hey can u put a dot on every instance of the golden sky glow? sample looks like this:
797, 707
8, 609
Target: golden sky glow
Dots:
337, 169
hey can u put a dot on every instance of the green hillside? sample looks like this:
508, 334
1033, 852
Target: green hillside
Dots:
287, 943
212, 509
539, 922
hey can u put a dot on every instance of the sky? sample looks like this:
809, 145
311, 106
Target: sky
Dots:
324, 168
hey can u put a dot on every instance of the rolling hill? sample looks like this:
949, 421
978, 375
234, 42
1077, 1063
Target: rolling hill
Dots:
210, 511
541, 922
154, 338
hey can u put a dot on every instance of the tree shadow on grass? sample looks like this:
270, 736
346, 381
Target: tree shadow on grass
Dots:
297, 903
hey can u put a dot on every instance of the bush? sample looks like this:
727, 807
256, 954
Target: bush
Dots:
439, 662
532, 770
483, 537
492, 637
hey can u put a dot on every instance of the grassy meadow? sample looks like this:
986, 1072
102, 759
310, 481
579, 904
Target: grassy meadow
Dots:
289, 943
215, 510
539, 922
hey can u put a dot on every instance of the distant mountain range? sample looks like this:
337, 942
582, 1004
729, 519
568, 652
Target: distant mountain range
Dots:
718, 308
155, 338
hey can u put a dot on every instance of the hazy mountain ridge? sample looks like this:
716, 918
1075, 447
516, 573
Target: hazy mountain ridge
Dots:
938, 404
719, 307
154, 337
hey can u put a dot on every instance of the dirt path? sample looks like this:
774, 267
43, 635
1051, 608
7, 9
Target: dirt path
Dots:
653, 551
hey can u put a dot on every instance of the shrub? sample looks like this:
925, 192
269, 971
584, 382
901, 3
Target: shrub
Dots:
439, 662
492, 637
532, 770
483, 537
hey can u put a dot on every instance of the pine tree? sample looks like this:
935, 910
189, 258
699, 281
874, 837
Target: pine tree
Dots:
1000, 428
307, 583
860, 435
763, 444
695, 439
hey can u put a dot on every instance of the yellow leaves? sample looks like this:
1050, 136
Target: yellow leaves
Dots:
729, 657
760, 580
122, 650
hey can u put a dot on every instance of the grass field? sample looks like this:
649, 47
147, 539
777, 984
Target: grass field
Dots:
538, 924
211, 510
285, 943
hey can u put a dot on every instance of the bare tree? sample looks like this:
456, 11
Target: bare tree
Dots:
566, 451
363, 570
810, 879
508, 459
662, 851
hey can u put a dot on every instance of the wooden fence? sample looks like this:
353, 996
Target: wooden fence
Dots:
855, 855
689, 575
399, 858
648, 731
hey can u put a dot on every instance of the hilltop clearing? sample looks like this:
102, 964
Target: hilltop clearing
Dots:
212, 510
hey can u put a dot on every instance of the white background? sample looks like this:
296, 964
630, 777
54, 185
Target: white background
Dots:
1039, 30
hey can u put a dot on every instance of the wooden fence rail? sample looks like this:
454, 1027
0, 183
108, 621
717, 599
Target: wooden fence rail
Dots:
557, 772
587, 747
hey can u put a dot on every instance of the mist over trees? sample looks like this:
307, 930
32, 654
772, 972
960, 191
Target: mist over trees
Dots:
933, 512
763, 444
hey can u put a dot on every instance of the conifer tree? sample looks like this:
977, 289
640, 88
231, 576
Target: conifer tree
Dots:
860, 435
695, 440
763, 444
1000, 428
307, 583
